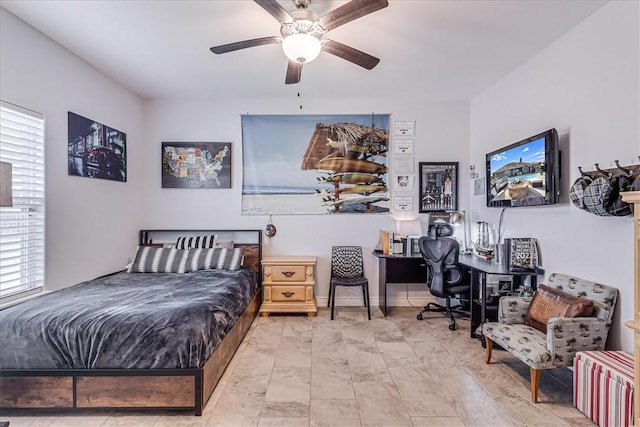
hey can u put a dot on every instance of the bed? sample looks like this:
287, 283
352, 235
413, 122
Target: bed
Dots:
160, 340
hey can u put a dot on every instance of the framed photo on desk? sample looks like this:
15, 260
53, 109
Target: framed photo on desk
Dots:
438, 189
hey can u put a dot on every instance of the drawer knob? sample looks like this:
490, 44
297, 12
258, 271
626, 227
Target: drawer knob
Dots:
288, 294
288, 273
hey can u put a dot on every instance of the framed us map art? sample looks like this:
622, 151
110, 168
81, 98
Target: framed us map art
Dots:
196, 165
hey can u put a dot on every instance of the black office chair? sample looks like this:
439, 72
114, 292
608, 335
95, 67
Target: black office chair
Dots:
445, 279
347, 269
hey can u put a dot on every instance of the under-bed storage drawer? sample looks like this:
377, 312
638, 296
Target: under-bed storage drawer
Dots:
141, 392
36, 392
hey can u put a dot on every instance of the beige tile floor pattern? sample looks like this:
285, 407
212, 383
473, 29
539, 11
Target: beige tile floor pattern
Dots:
391, 371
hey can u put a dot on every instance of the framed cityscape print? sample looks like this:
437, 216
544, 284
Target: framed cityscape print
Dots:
196, 165
438, 186
95, 150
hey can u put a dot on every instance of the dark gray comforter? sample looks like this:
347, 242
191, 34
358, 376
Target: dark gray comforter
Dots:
127, 320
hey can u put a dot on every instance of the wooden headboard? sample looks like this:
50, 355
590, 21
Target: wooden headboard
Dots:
250, 240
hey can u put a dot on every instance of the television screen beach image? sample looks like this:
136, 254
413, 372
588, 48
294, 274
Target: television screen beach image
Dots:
525, 173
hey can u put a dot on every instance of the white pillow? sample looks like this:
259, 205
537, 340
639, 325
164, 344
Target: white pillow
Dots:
224, 244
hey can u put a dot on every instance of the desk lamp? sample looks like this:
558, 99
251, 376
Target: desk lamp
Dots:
459, 218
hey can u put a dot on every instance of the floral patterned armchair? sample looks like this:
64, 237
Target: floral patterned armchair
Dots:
564, 337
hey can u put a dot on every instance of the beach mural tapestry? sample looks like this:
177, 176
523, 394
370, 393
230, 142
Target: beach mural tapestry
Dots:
314, 164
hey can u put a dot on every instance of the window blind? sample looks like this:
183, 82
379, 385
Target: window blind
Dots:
22, 236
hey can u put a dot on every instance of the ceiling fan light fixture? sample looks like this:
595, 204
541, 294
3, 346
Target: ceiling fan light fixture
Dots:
301, 47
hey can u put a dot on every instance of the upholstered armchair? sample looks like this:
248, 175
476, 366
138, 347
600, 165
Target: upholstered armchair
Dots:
564, 336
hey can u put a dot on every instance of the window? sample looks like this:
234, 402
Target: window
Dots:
22, 224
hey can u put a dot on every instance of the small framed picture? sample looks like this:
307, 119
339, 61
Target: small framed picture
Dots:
403, 146
402, 203
504, 286
438, 189
403, 128
403, 165
403, 182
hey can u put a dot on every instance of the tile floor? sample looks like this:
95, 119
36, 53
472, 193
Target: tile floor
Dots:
393, 371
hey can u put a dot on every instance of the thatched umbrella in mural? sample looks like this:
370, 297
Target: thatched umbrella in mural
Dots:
346, 152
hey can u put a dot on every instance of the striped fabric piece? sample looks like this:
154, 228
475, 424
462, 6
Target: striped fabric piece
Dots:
200, 259
189, 242
603, 387
159, 260
219, 258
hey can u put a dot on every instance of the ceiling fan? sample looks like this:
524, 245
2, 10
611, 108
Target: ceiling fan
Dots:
302, 34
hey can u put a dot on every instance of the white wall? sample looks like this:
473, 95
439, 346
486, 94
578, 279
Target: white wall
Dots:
91, 224
586, 85
39, 74
442, 135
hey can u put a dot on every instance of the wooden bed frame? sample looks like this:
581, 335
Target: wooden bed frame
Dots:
116, 389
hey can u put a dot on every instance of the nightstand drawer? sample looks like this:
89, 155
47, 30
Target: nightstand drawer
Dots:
288, 293
288, 273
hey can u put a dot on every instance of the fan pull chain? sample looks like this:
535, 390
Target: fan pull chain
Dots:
300, 101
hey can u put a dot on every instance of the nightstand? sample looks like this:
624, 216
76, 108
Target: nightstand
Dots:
287, 285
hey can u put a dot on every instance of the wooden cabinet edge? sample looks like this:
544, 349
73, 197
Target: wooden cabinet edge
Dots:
634, 197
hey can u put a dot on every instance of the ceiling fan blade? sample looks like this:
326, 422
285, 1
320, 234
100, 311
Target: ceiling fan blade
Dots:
350, 54
351, 11
274, 8
294, 72
245, 44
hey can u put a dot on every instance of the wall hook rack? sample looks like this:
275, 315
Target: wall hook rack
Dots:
630, 170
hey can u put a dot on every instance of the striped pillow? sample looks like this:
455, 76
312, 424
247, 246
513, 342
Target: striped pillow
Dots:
189, 242
159, 260
219, 258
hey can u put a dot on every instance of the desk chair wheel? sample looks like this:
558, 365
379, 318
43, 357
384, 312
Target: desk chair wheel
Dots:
452, 326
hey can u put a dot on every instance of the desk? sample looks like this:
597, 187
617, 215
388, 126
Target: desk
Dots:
479, 270
398, 268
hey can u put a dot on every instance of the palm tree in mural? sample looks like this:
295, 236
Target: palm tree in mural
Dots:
584, 330
557, 331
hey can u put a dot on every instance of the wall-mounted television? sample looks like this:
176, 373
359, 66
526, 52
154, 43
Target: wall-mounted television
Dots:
525, 173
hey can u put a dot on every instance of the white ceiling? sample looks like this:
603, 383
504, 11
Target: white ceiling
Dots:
440, 50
